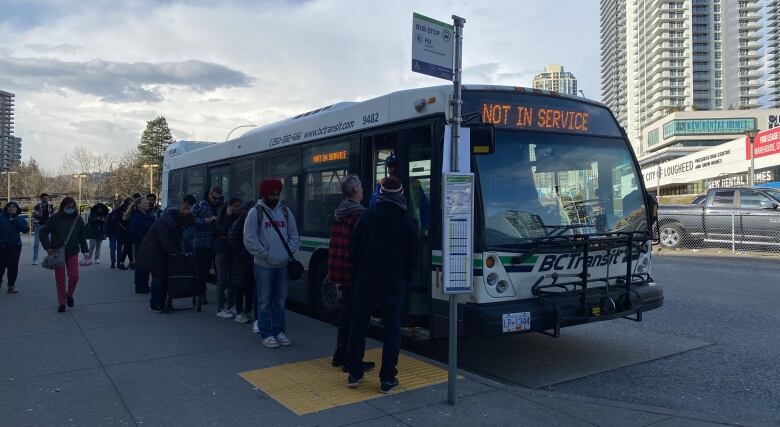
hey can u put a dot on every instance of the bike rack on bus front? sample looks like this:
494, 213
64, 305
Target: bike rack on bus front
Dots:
584, 244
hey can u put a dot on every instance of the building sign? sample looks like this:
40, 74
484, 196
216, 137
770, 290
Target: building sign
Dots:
765, 143
741, 179
684, 127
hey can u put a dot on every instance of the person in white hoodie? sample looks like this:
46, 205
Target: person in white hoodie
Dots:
270, 257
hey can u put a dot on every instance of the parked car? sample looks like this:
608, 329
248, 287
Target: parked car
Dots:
743, 215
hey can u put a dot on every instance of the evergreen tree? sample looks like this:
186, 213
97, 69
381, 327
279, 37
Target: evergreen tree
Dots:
154, 141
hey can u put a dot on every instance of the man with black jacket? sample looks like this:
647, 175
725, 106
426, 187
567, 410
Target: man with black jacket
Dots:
383, 254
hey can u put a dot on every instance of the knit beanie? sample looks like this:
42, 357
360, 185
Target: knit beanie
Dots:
391, 184
270, 185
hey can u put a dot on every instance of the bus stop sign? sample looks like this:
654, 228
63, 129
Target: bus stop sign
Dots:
432, 47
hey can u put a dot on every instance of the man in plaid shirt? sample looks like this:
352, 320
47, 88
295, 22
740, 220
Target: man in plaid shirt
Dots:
205, 213
339, 268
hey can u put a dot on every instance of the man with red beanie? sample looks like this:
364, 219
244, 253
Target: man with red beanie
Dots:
270, 235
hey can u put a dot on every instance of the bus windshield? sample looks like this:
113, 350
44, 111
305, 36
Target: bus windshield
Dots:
543, 185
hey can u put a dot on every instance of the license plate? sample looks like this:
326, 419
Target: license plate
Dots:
515, 322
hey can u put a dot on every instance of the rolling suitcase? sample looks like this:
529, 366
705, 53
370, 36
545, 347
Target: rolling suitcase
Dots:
181, 280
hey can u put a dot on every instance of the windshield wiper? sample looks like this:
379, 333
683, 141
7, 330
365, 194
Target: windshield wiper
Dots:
564, 227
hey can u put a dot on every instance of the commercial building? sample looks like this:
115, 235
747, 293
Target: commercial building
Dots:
679, 55
556, 79
773, 52
10, 146
724, 165
686, 132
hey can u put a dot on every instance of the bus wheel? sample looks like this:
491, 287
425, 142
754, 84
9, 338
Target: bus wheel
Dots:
324, 300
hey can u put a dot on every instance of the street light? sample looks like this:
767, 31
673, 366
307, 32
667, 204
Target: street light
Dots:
751, 134
79, 177
151, 175
8, 173
238, 127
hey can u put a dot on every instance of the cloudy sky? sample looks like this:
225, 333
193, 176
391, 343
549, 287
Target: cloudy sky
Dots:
93, 72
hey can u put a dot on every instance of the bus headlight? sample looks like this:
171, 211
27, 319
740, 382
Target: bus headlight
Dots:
492, 278
501, 286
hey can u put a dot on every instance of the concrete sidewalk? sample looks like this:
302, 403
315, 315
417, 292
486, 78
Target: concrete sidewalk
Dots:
109, 361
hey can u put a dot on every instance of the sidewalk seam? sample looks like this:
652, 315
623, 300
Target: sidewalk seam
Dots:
105, 371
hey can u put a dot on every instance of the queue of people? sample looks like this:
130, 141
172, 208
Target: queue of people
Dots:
251, 244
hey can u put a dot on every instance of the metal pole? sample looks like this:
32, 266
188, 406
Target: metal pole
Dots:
751, 177
8, 174
733, 233
658, 184
452, 371
151, 179
79, 208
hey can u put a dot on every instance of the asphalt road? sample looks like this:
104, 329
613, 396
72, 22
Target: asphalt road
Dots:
714, 347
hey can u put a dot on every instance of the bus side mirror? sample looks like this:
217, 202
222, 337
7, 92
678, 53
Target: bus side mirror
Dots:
652, 204
483, 139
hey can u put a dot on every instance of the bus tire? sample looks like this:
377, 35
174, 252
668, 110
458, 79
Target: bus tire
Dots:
323, 298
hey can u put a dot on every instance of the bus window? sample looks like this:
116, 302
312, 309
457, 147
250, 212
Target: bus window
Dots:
242, 181
195, 182
219, 176
174, 189
325, 166
284, 166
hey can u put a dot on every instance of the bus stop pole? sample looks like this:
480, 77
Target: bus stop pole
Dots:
457, 101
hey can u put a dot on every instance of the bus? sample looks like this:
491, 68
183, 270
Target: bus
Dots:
562, 227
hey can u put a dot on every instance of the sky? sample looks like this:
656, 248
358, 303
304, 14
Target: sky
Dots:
93, 73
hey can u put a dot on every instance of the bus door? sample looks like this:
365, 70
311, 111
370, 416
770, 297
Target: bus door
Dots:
219, 176
414, 166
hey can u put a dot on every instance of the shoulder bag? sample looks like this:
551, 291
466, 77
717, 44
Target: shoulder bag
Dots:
56, 259
294, 267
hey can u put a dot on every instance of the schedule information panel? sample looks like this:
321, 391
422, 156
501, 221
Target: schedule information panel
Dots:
458, 213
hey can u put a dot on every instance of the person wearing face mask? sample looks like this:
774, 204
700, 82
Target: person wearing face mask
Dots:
263, 239
11, 224
66, 229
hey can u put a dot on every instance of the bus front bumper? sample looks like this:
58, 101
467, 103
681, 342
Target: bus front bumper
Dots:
549, 315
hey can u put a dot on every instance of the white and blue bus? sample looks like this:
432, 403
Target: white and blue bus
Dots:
562, 217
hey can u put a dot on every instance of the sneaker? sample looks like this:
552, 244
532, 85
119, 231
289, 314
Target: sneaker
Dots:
113, 265
241, 318
70, 301
155, 309
35, 262
387, 387
367, 366
354, 382
225, 314
122, 267
256, 327
271, 342
232, 311
283, 340
97, 261
61, 308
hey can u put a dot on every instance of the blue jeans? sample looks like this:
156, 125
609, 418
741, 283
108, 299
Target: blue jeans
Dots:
271, 294
114, 247
390, 292
36, 241
159, 292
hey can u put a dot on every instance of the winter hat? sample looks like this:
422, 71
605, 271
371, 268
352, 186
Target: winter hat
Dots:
391, 184
270, 185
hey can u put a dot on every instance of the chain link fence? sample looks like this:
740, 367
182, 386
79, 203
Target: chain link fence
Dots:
720, 233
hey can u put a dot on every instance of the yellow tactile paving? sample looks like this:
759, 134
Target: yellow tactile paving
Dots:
314, 385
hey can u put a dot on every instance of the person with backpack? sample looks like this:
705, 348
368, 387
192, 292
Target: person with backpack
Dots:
11, 225
339, 267
222, 252
65, 230
271, 236
163, 239
96, 229
383, 253
241, 278
141, 221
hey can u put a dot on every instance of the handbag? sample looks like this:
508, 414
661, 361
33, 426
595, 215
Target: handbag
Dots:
56, 259
294, 267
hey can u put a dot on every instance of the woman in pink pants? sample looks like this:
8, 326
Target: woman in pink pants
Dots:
66, 229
